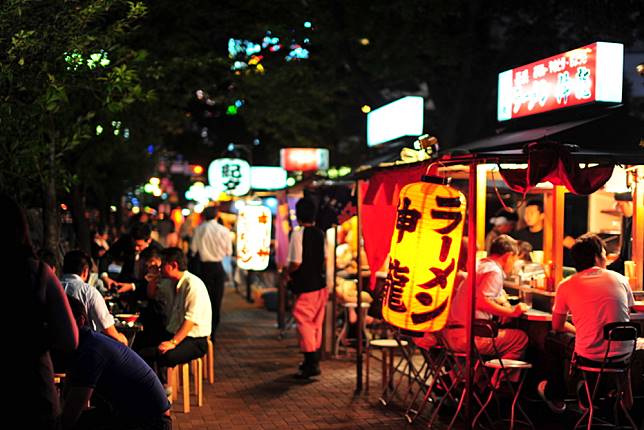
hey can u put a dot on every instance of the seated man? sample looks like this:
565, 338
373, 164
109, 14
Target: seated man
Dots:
190, 321
130, 392
595, 297
74, 281
490, 302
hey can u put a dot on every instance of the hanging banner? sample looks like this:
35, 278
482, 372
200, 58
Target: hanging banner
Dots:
230, 176
253, 237
424, 253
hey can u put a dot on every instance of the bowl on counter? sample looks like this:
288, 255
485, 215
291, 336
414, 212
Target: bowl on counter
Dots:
128, 318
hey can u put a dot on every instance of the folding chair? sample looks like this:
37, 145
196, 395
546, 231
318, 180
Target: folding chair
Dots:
501, 374
619, 368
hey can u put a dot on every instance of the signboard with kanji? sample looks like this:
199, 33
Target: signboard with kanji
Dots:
424, 253
230, 176
253, 237
593, 73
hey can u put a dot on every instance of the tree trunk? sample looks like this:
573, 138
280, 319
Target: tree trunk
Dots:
51, 219
81, 226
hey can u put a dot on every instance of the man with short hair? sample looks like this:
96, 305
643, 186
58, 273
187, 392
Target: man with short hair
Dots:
533, 218
212, 243
74, 280
307, 261
190, 320
595, 297
135, 398
131, 249
491, 301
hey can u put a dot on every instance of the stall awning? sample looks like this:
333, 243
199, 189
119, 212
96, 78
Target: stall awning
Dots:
614, 138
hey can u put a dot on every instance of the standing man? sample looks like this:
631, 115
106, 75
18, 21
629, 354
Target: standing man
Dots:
533, 231
595, 297
306, 257
212, 242
74, 281
490, 301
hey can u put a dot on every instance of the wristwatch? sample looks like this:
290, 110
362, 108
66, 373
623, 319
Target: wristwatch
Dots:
173, 341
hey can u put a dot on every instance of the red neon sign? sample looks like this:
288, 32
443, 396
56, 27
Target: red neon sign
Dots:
304, 159
584, 75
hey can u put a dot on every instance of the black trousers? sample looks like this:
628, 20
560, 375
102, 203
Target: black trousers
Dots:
187, 350
214, 276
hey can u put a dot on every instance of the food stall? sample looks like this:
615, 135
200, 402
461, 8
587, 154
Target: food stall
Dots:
575, 152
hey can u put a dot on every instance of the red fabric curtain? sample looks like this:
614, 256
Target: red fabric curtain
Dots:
551, 161
378, 215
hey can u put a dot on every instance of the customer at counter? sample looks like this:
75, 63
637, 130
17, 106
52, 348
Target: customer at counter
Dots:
490, 302
595, 297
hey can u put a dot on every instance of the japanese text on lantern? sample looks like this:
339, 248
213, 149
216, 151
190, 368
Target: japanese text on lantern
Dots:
424, 251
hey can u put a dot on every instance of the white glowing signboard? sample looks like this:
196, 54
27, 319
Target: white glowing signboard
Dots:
404, 117
593, 73
267, 178
230, 176
253, 237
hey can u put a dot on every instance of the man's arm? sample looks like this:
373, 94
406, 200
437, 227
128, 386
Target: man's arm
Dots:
178, 337
559, 324
76, 399
491, 306
112, 332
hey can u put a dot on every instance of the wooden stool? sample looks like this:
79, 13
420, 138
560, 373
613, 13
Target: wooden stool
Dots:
184, 370
209, 369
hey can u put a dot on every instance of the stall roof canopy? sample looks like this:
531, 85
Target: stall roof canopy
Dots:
614, 137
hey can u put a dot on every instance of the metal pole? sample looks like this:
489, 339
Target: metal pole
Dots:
471, 292
359, 303
249, 299
334, 311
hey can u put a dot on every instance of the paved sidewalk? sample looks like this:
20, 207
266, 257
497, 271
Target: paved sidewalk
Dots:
254, 388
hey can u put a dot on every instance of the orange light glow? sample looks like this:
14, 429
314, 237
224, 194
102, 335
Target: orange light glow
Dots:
197, 169
424, 254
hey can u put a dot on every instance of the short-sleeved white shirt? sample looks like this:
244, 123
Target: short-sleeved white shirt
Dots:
489, 284
191, 303
595, 297
98, 314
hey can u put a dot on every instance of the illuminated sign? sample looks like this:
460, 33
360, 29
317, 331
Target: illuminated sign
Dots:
589, 74
304, 159
230, 176
253, 237
424, 253
267, 178
404, 117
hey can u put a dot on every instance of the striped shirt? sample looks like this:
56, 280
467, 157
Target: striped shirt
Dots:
212, 241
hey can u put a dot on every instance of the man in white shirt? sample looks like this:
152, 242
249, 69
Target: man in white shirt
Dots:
490, 301
595, 297
190, 319
212, 243
74, 281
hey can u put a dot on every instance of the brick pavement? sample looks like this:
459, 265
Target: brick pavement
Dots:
254, 388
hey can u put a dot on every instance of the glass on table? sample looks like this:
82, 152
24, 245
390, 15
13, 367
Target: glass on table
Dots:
525, 294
